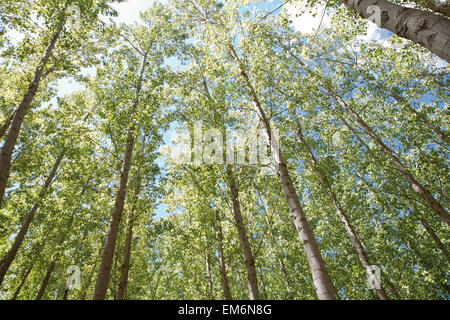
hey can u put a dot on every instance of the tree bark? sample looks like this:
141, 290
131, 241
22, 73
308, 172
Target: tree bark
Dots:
245, 245
111, 236
322, 282
429, 30
9, 257
19, 115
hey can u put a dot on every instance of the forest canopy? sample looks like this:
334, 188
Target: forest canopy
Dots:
283, 150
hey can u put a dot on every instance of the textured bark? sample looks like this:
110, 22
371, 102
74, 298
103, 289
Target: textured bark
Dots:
243, 239
322, 282
19, 115
359, 247
11, 254
426, 29
104, 272
222, 265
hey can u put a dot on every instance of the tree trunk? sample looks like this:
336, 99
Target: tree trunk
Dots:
9, 257
322, 282
19, 115
426, 29
101, 285
247, 250
76, 261
222, 265
359, 247
39, 249
89, 279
